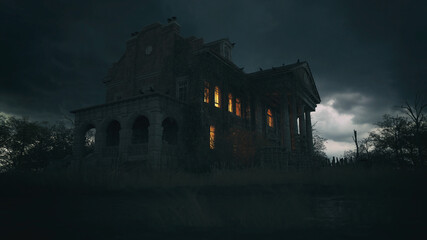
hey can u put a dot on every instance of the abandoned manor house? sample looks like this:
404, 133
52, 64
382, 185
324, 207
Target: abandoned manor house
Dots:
171, 98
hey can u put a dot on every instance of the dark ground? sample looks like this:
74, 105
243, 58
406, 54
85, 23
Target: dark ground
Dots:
289, 210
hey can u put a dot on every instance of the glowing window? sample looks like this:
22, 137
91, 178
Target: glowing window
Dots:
238, 108
217, 97
206, 93
212, 137
230, 102
269, 118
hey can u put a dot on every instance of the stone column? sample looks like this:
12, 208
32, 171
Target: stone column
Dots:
125, 140
286, 124
155, 132
302, 126
309, 131
100, 139
100, 136
293, 119
78, 143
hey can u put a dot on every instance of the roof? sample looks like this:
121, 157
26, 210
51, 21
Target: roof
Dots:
277, 71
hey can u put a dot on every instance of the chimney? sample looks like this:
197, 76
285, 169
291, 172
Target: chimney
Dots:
173, 25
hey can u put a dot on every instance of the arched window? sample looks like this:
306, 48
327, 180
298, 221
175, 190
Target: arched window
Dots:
270, 118
170, 131
89, 139
140, 130
217, 97
113, 133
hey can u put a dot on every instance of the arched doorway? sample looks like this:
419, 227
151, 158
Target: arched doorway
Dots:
170, 131
113, 134
140, 130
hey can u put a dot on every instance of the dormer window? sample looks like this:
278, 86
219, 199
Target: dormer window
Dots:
227, 52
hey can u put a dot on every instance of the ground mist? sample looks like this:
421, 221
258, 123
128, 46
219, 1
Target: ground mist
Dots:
332, 202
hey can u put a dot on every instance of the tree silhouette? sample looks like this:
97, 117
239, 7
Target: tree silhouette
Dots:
26, 145
416, 114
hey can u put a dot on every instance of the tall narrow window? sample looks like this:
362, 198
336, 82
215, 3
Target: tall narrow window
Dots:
182, 88
248, 112
238, 107
211, 137
269, 118
206, 93
217, 97
230, 102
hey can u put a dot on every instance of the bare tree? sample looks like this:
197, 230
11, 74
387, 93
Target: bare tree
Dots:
416, 114
357, 144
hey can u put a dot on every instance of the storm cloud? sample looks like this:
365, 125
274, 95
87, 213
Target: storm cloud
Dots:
366, 56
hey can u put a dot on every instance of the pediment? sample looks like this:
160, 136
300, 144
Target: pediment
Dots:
307, 82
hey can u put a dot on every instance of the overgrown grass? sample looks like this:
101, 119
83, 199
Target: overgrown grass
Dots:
247, 200
341, 177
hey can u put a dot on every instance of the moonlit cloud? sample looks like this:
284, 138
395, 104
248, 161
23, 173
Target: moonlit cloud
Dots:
338, 127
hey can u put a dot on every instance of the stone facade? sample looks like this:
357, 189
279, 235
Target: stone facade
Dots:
171, 98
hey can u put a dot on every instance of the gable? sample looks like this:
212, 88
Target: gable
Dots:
307, 82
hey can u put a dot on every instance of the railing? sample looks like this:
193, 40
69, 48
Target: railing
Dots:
275, 157
138, 149
110, 152
169, 155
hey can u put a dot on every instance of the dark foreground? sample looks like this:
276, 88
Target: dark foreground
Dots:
311, 210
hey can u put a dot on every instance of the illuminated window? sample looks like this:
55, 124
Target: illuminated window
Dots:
206, 93
212, 137
217, 97
238, 108
269, 118
230, 102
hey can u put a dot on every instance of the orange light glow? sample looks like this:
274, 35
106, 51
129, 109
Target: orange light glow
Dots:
269, 118
238, 108
217, 97
212, 137
230, 102
206, 93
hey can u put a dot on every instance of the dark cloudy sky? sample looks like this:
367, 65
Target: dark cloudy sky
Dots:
366, 56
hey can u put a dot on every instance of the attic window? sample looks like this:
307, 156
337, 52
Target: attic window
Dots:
227, 52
